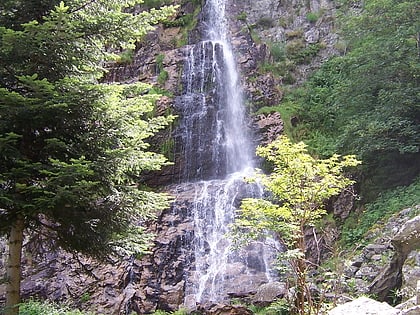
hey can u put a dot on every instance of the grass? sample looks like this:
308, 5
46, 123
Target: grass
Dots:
33, 307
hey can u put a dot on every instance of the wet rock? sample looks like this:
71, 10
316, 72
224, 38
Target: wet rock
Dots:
173, 297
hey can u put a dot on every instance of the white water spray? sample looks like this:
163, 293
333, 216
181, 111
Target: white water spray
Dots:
218, 155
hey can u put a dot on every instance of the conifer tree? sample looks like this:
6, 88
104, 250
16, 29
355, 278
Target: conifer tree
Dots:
72, 150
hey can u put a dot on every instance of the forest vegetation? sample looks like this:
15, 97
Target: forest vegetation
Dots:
72, 148
366, 101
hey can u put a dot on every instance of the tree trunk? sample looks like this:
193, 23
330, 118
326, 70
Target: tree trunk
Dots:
14, 267
301, 286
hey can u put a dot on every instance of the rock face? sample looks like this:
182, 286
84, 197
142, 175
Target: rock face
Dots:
221, 309
404, 242
62, 277
389, 266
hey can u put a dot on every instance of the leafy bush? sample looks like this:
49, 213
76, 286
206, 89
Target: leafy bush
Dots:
126, 57
296, 33
312, 17
163, 75
387, 204
279, 307
155, 4
303, 54
366, 101
182, 21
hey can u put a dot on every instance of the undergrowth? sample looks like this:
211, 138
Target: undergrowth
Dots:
33, 307
380, 210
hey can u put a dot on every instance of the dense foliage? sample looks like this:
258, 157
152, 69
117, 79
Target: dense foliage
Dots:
298, 188
366, 102
379, 211
72, 150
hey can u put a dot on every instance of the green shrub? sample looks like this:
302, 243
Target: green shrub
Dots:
159, 60
85, 297
294, 47
297, 33
163, 75
182, 21
187, 23
387, 204
280, 307
312, 17
127, 56
242, 16
265, 22
297, 51
155, 4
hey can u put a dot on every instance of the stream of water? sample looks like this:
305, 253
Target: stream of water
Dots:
218, 155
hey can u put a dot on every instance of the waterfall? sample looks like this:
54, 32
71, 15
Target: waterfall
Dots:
217, 155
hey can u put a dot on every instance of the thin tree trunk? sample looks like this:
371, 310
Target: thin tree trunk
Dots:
14, 267
301, 284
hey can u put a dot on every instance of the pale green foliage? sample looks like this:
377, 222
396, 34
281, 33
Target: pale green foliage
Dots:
298, 186
71, 148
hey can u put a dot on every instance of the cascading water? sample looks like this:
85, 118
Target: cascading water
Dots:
217, 156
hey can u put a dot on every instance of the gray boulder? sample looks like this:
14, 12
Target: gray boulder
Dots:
405, 241
364, 306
